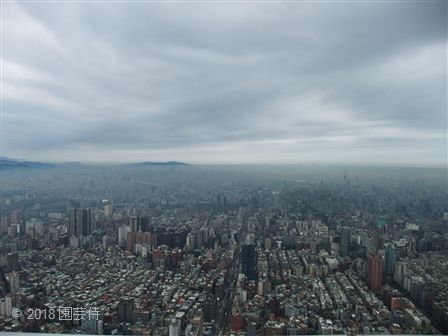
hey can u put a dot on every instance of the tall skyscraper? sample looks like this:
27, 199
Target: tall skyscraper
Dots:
221, 203
79, 222
108, 210
400, 271
12, 262
125, 308
72, 222
375, 272
14, 282
389, 264
134, 222
249, 262
84, 222
87, 226
145, 224
15, 217
345, 241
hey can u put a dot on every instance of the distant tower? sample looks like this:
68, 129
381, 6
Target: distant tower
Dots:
345, 241
12, 262
72, 222
221, 203
134, 222
108, 210
249, 261
390, 259
83, 224
87, 229
375, 272
145, 224
79, 222
15, 217
189, 244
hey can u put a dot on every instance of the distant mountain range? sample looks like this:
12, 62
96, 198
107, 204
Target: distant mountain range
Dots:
8, 163
160, 164
12, 164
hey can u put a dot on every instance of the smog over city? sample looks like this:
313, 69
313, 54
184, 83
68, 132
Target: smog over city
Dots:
224, 168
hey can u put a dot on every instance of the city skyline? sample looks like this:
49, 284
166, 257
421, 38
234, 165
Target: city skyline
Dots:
238, 83
243, 251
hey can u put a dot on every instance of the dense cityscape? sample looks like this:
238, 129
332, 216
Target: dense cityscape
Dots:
223, 167
224, 250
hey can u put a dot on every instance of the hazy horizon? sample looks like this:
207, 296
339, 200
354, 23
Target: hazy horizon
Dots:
238, 164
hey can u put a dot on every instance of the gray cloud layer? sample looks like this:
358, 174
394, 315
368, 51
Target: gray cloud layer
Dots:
361, 82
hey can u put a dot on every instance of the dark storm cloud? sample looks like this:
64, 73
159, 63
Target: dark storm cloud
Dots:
226, 82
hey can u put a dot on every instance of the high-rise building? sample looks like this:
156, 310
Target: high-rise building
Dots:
249, 261
123, 235
79, 222
251, 329
14, 282
34, 226
131, 239
399, 272
221, 203
389, 264
72, 222
12, 262
125, 308
4, 223
218, 202
6, 306
375, 272
189, 242
16, 217
108, 210
174, 328
210, 308
145, 224
134, 222
345, 241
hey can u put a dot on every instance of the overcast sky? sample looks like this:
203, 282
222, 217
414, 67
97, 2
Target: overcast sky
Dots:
260, 82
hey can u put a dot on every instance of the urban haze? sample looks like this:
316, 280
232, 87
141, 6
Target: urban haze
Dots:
229, 168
